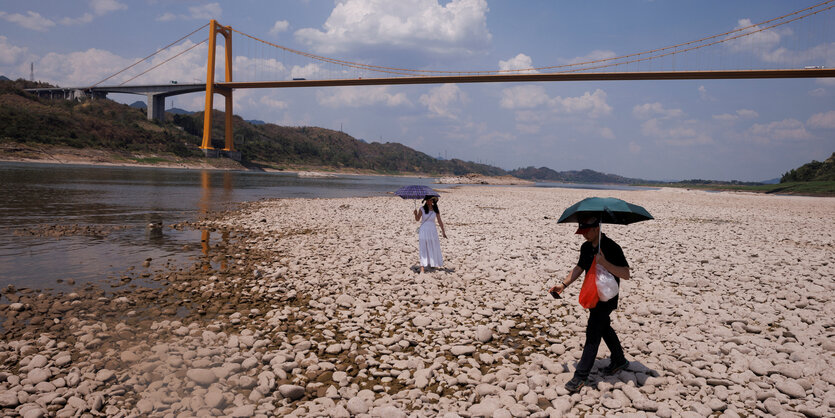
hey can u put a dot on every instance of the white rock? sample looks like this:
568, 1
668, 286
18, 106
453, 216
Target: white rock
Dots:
421, 321
345, 301
8, 399
483, 334
462, 350
202, 377
38, 375
791, 388
357, 406
214, 399
243, 411
37, 361
104, 375
145, 406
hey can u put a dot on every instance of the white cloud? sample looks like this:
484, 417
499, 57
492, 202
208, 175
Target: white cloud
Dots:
760, 41
595, 55
202, 12
532, 96
102, 7
457, 27
704, 95
740, 114
206, 11
442, 100
311, 70
524, 97
677, 133
32, 20
519, 62
84, 19
259, 69
166, 17
765, 44
779, 131
360, 96
90, 66
747, 113
634, 147
655, 110
592, 104
819, 92
273, 103
80, 68
10, 54
822, 120
279, 26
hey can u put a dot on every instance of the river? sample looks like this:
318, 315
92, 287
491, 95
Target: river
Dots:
113, 208
68, 225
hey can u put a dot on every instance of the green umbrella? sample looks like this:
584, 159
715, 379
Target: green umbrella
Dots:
608, 209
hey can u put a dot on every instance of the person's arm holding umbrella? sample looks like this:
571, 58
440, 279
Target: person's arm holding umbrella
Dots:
417, 213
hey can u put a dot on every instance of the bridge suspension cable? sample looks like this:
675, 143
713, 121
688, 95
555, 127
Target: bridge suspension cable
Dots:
149, 56
164, 62
586, 65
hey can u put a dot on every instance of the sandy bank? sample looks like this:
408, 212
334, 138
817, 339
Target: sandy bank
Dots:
473, 178
317, 310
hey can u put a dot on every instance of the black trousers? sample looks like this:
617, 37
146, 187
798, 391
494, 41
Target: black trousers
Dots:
599, 327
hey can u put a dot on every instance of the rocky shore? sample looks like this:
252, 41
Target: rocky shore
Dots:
313, 307
473, 178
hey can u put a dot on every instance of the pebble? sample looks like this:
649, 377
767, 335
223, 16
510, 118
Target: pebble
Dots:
478, 338
202, 377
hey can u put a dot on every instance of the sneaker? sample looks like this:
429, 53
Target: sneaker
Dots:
613, 368
575, 384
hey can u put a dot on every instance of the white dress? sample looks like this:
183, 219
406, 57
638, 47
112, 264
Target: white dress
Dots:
430, 244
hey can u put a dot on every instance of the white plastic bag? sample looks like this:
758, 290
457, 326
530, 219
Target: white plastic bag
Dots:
607, 286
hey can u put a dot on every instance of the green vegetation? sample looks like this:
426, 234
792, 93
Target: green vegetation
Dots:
814, 171
107, 125
125, 131
99, 124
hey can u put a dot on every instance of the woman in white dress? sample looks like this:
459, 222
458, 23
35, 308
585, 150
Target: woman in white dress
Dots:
429, 243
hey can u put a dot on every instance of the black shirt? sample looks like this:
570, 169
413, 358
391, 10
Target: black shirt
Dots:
613, 254
611, 250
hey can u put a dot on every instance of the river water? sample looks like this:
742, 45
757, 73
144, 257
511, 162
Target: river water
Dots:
119, 204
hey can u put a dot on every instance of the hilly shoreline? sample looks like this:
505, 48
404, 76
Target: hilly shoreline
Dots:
104, 132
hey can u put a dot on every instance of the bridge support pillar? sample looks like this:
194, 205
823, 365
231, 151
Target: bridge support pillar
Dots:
156, 107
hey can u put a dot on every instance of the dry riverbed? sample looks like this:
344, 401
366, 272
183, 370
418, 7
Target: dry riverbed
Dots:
313, 307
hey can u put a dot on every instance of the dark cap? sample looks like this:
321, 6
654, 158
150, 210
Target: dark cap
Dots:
583, 227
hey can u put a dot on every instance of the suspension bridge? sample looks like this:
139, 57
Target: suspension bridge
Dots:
264, 64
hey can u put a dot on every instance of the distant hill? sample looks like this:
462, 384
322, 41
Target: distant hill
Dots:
107, 125
581, 176
3, 78
814, 171
174, 110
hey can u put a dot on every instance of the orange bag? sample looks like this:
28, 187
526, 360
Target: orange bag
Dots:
588, 293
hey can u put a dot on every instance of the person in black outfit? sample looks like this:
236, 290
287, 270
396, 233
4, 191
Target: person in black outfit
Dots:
599, 326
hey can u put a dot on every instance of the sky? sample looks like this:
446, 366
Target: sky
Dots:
748, 130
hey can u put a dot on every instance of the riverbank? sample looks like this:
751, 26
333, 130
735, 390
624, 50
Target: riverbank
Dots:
298, 309
42, 154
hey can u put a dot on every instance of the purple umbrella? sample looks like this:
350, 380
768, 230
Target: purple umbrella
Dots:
415, 192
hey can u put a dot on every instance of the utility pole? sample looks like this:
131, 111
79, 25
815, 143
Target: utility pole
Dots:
32, 71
